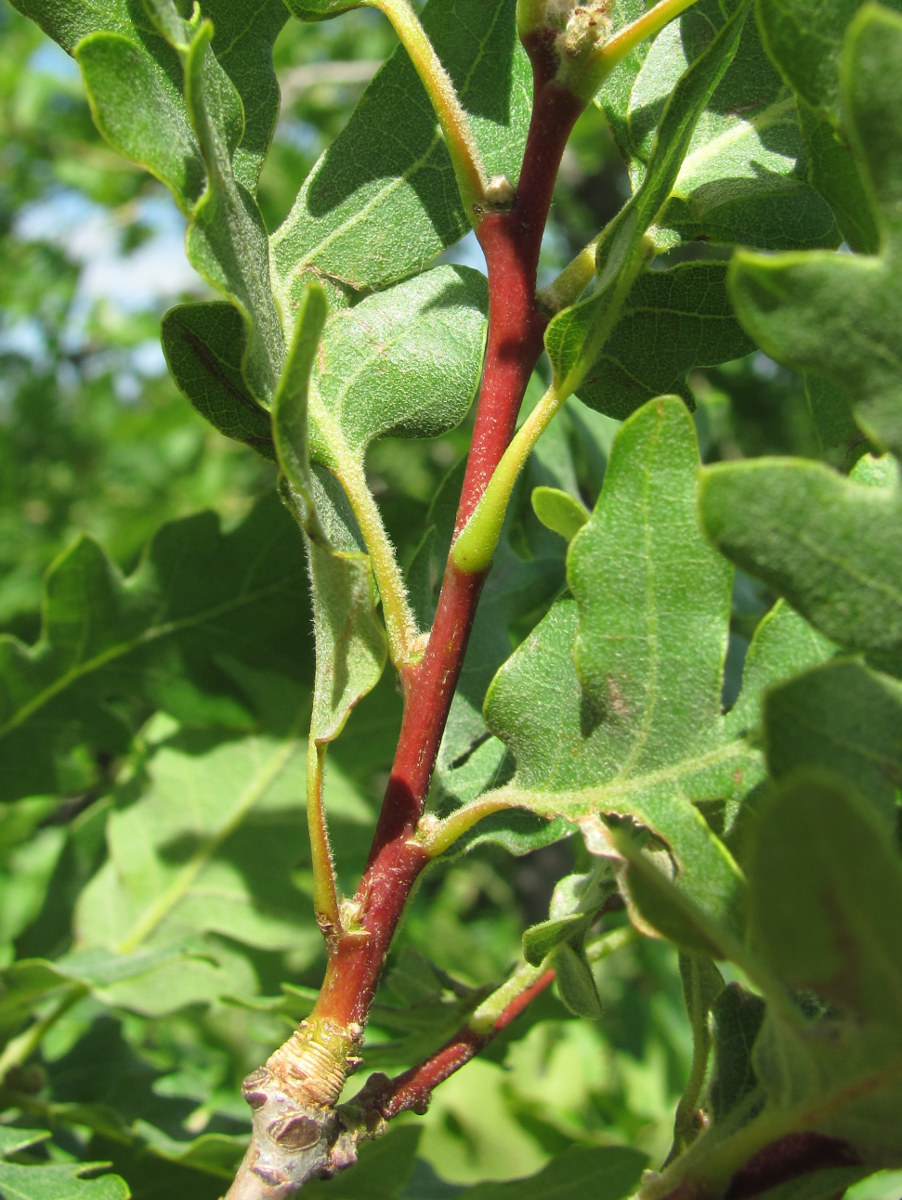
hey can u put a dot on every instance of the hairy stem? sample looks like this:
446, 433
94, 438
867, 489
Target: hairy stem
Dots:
294, 1095
452, 118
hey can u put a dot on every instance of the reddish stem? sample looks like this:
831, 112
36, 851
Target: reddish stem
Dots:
412, 1089
511, 242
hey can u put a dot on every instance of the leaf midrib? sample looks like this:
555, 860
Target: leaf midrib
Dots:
88, 666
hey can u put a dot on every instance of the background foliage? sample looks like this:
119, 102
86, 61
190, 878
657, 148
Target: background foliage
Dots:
156, 936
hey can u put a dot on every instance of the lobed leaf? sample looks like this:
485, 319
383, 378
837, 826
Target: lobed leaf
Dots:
831, 546
52, 1181
612, 706
169, 636
835, 314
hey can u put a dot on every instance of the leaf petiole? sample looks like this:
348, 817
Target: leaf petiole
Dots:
400, 623
469, 171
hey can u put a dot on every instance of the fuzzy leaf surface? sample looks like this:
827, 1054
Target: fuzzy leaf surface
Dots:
204, 346
611, 707
671, 323
832, 546
576, 336
405, 361
836, 315
344, 225
743, 178
199, 601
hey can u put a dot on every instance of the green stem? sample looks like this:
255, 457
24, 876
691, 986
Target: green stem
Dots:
646, 26
20, 1049
325, 894
400, 623
567, 288
484, 1018
473, 550
435, 836
452, 118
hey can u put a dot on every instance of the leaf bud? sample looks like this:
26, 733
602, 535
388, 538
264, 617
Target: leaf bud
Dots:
569, 35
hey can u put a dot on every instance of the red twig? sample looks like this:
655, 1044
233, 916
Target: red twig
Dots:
511, 242
413, 1088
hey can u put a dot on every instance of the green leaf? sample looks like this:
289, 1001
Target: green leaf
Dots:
202, 841
835, 314
199, 602
575, 982
290, 405
825, 885
835, 172
671, 323
743, 178
702, 984
204, 346
831, 546
575, 337
376, 209
559, 511
575, 902
134, 81
137, 104
51, 1181
843, 717
322, 10
406, 362
633, 727
351, 646
604, 1172
736, 1017
226, 240
805, 40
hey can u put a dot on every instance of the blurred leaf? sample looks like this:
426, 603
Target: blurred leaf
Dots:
846, 718
51, 1181
831, 546
825, 884
743, 178
199, 600
382, 1171
835, 314
203, 839
605, 1172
